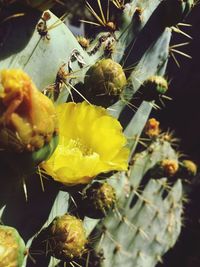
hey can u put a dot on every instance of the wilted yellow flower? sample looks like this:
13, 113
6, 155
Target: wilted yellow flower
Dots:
91, 142
27, 117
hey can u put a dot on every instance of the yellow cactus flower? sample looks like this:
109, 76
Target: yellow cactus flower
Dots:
91, 142
28, 118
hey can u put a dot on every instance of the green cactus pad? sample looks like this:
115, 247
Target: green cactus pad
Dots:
12, 247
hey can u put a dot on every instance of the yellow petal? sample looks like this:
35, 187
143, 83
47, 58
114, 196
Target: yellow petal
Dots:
91, 142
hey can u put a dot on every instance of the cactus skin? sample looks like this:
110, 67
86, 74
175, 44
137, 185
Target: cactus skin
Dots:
148, 216
151, 233
12, 246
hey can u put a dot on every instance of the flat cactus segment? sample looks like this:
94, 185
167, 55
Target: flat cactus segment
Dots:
154, 61
154, 224
136, 125
152, 215
135, 15
119, 180
144, 161
41, 57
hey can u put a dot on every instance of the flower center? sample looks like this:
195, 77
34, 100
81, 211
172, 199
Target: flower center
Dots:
79, 144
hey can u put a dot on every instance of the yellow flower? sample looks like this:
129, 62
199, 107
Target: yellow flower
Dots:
91, 142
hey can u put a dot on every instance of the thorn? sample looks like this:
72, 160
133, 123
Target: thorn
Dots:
158, 240
175, 60
184, 24
166, 97
75, 263
101, 240
101, 11
177, 30
159, 259
108, 10
73, 200
179, 45
92, 11
41, 179
25, 189
90, 22
88, 259
155, 106
12, 17
181, 53
143, 233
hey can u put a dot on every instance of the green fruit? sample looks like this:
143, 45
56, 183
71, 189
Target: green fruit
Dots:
67, 237
12, 247
99, 199
104, 81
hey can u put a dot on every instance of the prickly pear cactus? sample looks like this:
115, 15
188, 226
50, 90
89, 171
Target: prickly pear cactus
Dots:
87, 179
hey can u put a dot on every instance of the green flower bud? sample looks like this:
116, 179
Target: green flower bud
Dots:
67, 238
99, 200
104, 81
154, 86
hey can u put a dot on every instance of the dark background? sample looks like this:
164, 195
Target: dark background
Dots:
183, 115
